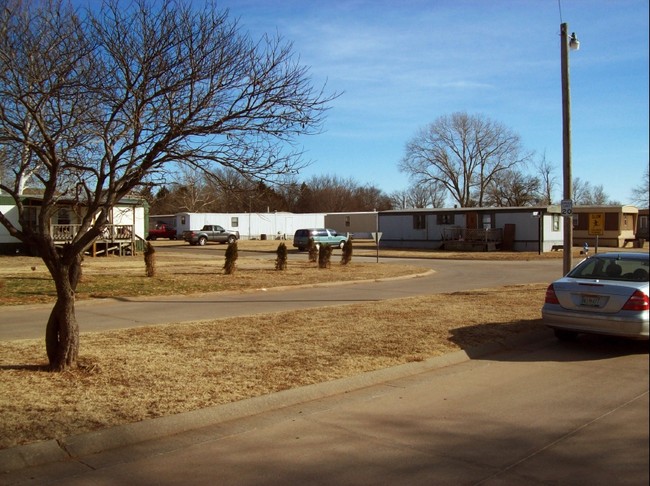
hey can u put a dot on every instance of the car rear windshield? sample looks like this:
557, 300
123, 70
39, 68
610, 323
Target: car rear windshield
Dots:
630, 270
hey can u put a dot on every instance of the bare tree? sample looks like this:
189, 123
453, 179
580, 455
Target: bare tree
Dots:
586, 195
512, 188
548, 180
288, 188
369, 198
336, 194
464, 153
331, 192
94, 102
400, 199
420, 196
191, 192
581, 191
599, 197
641, 193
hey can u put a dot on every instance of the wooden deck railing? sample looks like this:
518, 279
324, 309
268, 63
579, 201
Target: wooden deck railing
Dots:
494, 235
62, 233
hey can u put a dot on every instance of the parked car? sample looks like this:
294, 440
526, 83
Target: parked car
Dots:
321, 236
604, 294
210, 232
162, 230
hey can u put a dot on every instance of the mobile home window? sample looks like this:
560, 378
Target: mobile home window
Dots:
643, 221
611, 222
556, 222
234, 222
63, 216
419, 221
347, 221
445, 219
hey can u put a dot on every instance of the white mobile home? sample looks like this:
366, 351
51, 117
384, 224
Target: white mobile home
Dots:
473, 229
275, 225
124, 233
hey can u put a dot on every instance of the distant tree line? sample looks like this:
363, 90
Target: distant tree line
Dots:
228, 191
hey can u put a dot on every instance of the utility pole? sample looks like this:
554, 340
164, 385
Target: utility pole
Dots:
567, 196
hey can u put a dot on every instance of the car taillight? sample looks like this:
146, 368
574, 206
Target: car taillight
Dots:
551, 298
637, 302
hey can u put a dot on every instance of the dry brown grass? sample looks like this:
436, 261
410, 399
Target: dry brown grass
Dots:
135, 374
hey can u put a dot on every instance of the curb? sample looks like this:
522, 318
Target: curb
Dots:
82, 445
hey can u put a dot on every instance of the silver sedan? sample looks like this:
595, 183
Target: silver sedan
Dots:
603, 294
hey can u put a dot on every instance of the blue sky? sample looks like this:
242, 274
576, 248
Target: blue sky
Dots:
401, 64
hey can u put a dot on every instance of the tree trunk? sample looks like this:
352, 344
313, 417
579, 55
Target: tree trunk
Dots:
62, 335
62, 332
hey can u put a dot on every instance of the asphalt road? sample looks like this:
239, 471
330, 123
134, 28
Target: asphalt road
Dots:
439, 276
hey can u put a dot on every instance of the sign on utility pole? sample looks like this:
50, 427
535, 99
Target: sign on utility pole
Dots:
376, 237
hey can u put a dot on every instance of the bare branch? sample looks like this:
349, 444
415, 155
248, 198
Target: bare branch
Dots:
464, 154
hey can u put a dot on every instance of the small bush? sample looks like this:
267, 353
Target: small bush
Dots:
281, 260
346, 257
312, 250
324, 256
231, 259
150, 259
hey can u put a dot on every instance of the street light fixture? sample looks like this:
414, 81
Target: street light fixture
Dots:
567, 42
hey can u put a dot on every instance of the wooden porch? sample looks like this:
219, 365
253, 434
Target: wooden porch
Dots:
464, 239
115, 239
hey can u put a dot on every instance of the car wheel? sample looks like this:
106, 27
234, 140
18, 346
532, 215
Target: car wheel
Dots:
564, 335
202, 241
231, 240
341, 245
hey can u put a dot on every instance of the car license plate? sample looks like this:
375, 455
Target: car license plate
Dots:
590, 300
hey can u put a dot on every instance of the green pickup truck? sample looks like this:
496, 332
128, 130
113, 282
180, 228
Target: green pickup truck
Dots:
321, 236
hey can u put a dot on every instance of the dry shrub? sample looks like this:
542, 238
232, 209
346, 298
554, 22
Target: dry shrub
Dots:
324, 256
312, 250
282, 255
232, 254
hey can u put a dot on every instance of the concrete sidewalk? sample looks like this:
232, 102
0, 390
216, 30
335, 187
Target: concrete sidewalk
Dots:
531, 411
72, 451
